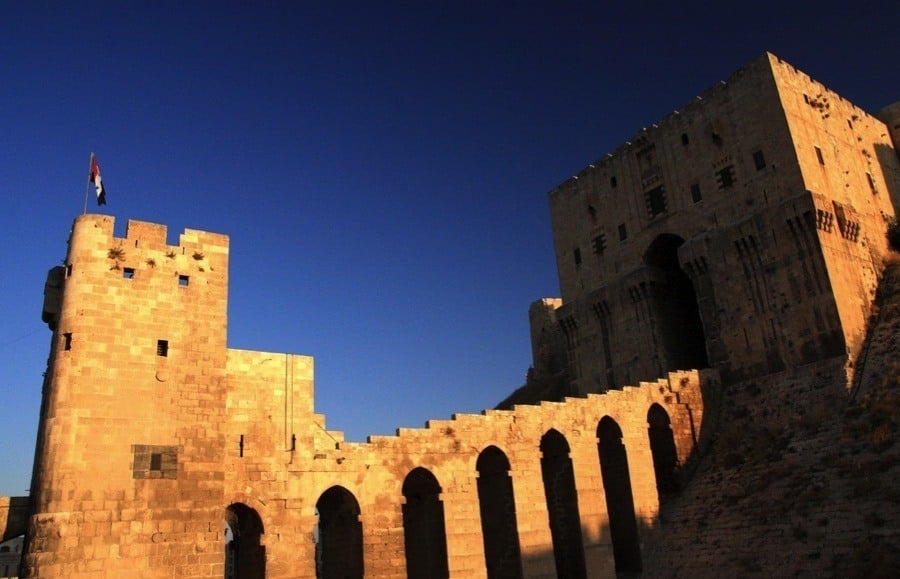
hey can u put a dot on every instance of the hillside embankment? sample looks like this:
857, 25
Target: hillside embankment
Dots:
801, 479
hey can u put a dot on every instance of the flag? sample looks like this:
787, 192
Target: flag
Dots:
97, 181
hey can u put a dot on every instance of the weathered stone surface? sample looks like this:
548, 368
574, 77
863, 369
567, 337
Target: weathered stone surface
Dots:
154, 434
744, 231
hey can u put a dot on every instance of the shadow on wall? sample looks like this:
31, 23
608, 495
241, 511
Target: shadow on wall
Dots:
888, 159
601, 557
14, 513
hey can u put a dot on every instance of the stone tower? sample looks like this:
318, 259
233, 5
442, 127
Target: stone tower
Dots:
154, 436
136, 376
744, 231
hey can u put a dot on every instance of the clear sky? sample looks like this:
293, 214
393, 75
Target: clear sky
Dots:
381, 167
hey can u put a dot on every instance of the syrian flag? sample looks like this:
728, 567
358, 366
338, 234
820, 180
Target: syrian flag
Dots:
98, 183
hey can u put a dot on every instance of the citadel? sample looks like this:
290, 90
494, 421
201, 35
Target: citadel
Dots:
725, 258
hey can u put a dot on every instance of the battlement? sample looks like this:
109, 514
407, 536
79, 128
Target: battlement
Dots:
696, 111
143, 234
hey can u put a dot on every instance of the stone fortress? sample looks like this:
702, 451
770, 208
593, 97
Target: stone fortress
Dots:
740, 238
744, 232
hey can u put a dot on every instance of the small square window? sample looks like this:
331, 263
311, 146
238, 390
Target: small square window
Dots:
67, 341
623, 232
656, 201
184, 280
725, 177
577, 254
759, 160
162, 348
696, 196
128, 272
599, 244
819, 156
154, 462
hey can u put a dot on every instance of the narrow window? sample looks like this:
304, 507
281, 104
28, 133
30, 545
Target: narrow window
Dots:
684, 139
128, 273
612, 182
183, 280
871, 183
577, 254
68, 270
806, 98
759, 160
599, 244
67, 341
819, 156
156, 461
695, 193
623, 232
162, 348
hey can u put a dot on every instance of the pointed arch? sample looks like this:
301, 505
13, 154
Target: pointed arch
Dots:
662, 447
677, 308
424, 533
339, 550
619, 498
245, 556
562, 505
497, 505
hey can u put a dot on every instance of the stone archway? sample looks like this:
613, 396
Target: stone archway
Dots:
662, 447
676, 310
425, 537
245, 556
562, 505
619, 498
499, 530
339, 547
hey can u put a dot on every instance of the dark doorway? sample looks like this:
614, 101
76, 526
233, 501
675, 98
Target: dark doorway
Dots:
339, 550
424, 534
245, 557
562, 505
662, 447
499, 529
619, 499
675, 305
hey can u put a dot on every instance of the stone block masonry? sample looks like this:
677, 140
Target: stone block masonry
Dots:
744, 231
155, 438
743, 235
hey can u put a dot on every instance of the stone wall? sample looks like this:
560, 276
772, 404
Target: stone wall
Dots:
129, 466
14, 513
744, 231
154, 436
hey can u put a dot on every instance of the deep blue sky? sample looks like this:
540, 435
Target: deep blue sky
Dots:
381, 167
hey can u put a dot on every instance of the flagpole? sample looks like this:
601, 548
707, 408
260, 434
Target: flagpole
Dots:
87, 186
